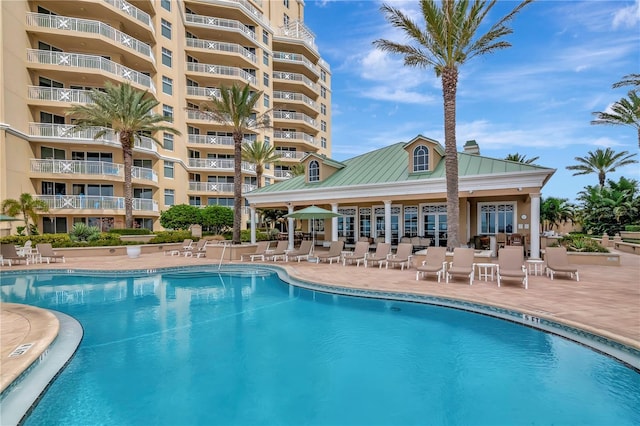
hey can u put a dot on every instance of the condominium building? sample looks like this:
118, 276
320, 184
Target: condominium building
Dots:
180, 51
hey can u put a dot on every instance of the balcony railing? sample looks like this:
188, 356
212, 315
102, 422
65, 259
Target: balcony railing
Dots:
211, 140
292, 155
59, 94
144, 173
207, 92
95, 202
292, 76
94, 168
218, 187
220, 23
133, 11
292, 96
295, 58
220, 46
66, 132
282, 174
244, 4
76, 60
221, 70
298, 30
65, 23
287, 115
283, 134
219, 164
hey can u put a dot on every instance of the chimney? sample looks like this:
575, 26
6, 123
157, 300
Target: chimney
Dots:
471, 147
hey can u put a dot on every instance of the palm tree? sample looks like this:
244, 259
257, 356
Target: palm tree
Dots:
520, 158
128, 113
234, 108
628, 80
554, 211
602, 162
27, 206
449, 40
259, 153
297, 169
625, 112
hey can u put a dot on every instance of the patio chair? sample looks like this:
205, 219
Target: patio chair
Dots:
382, 252
501, 240
558, 261
462, 264
260, 251
334, 253
435, 262
46, 252
200, 249
402, 257
187, 244
9, 254
303, 252
511, 266
358, 254
280, 251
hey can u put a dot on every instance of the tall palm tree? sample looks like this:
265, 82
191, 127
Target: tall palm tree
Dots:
234, 108
602, 162
27, 206
628, 80
259, 153
555, 211
520, 158
128, 113
625, 112
450, 39
297, 169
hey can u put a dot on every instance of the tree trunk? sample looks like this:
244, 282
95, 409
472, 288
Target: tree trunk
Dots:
449, 88
126, 140
237, 187
601, 178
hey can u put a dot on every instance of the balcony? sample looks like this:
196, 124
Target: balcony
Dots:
66, 133
213, 140
290, 155
90, 168
292, 80
291, 118
282, 174
133, 11
299, 137
94, 62
53, 94
86, 26
298, 31
295, 58
203, 92
246, 7
293, 98
215, 187
221, 70
220, 164
95, 202
219, 46
222, 24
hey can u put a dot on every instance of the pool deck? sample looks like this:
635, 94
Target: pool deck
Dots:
606, 301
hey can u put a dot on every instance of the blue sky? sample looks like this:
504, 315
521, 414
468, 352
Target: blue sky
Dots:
534, 98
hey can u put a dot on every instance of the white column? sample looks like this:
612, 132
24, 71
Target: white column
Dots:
468, 221
291, 228
534, 226
387, 221
252, 209
334, 223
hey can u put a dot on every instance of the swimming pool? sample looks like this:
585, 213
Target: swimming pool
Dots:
202, 347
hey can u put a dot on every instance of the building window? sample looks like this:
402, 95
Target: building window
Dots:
323, 92
323, 142
195, 201
323, 125
411, 221
167, 85
286, 4
167, 112
169, 197
286, 20
265, 79
421, 159
323, 75
167, 141
265, 58
165, 28
496, 217
365, 222
166, 4
266, 101
323, 109
167, 57
168, 169
265, 36
314, 171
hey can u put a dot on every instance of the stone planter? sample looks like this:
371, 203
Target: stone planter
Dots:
133, 251
604, 259
137, 238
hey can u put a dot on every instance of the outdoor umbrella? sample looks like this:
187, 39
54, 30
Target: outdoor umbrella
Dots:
311, 213
5, 218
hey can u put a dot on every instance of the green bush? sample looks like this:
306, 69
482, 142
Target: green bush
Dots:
245, 236
56, 240
130, 231
581, 243
84, 232
165, 237
632, 228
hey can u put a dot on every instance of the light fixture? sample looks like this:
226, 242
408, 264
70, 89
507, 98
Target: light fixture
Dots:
471, 191
519, 188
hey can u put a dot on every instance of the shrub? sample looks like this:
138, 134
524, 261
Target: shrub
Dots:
581, 243
130, 231
83, 232
632, 228
180, 216
245, 236
165, 237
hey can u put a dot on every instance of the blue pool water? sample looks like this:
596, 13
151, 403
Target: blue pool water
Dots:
208, 348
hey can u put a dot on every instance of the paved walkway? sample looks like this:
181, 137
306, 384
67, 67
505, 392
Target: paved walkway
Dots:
606, 301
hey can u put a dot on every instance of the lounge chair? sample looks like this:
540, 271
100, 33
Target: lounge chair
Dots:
303, 252
402, 257
382, 252
187, 244
435, 262
45, 251
9, 254
558, 261
462, 264
260, 251
334, 253
358, 254
280, 251
511, 265
200, 249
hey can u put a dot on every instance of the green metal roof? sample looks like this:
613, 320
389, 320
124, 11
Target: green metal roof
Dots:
391, 164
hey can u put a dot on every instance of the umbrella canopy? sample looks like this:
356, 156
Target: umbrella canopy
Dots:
5, 218
312, 212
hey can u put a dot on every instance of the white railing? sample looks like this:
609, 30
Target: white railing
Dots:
95, 202
220, 23
221, 47
65, 23
144, 173
298, 30
198, 115
210, 140
292, 96
221, 70
207, 92
219, 164
295, 58
292, 76
293, 155
59, 94
244, 4
218, 187
80, 167
77, 60
68, 132
287, 115
133, 11
284, 134
282, 174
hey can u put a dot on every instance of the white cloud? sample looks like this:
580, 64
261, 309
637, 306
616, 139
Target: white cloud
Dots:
628, 16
